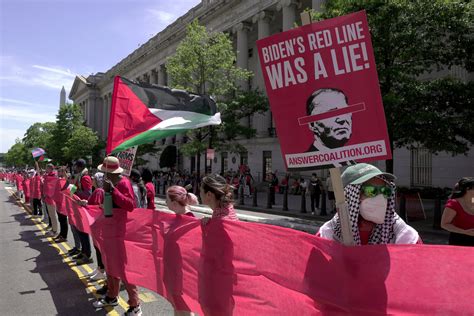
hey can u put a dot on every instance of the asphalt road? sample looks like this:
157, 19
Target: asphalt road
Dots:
38, 279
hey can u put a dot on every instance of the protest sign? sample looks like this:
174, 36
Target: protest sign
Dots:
322, 83
126, 159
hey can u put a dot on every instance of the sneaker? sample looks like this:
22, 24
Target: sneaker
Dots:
94, 272
60, 239
105, 301
77, 256
84, 260
133, 311
73, 251
102, 290
98, 276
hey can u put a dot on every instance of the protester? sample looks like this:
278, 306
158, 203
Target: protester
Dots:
97, 198
217, 194
315, 192
139, 189
19, 185
35, 191
61, 185
49, 186
147, 177
370, 198
26, 187
178, 200
458, 215
123, 198
83, 182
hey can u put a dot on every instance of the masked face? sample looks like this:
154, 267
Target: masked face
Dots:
374, 209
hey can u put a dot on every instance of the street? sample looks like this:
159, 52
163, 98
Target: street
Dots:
38, 278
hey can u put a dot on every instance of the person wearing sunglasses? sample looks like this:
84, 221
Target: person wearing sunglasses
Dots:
370, 198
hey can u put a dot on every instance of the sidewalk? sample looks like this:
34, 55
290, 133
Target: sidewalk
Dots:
307, 222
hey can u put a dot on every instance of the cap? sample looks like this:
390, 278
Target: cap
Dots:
362, 172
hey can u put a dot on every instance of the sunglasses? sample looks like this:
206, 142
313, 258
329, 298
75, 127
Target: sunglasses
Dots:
374, 190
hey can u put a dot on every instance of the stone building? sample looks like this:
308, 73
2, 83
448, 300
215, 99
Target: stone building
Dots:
246, 21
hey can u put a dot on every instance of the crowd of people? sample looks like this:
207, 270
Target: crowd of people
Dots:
369, 193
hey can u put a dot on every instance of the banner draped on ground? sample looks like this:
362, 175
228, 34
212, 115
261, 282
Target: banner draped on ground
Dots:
256, 269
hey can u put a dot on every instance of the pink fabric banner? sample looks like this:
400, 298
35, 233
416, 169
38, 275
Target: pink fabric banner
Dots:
49, 189
79, 216
256, 269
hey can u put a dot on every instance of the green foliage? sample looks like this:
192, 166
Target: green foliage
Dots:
412, 41
81, 143
39, 135
168, 157
204, 63
68, 119
18, 155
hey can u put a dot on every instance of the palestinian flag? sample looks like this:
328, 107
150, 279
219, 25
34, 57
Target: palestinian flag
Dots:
72, 189
142, 113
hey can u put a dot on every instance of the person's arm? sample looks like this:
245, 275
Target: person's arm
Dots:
121, 200
446, 223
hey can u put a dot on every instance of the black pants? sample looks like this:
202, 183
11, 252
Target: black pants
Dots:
63, 225
85, 243
315, 200
100, 264
456, 239
37, 207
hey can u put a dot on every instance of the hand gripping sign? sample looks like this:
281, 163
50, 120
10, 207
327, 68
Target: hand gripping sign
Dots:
322, 84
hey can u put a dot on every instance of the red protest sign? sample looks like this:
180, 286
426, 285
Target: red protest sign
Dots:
321, 80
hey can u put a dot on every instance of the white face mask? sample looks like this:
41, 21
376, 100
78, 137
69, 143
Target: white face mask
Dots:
374, 209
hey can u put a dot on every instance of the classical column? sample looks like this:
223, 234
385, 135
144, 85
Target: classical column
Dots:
154, 76
242, 50
289, 13
162, 75
261, 122
317, 5
242, 59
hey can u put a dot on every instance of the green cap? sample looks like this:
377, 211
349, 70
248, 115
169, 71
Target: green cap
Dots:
362, 172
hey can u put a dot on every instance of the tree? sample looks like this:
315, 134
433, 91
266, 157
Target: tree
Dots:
39, 135
204, 63
413, 41
17, 155
69, 118
81, 143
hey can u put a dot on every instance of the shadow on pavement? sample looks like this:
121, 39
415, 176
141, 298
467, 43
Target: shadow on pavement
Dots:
67, 291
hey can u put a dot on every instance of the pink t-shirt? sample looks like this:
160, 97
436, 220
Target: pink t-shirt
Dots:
462, 219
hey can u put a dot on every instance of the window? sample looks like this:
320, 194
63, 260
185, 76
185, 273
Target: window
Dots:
267, 163
421, 167
224, 163
244, 158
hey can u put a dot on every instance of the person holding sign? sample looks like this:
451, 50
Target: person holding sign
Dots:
458, 215
370, 197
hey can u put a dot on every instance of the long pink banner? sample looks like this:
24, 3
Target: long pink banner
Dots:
256, 269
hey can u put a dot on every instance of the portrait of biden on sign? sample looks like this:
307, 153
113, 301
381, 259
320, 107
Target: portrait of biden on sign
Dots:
332, 132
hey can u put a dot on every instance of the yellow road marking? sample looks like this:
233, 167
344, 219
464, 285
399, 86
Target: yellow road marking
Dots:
89, 287
147, 297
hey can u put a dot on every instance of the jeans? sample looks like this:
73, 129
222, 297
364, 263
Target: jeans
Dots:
75, 235
85, 243
63, 225
37, 207
315, 198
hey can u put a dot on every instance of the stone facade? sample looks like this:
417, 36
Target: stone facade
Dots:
246, 21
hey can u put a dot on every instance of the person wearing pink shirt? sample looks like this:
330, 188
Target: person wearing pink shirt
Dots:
123, 198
